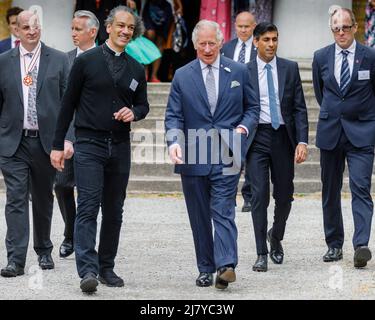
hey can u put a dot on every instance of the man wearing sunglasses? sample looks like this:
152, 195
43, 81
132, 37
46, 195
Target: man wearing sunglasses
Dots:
344, 84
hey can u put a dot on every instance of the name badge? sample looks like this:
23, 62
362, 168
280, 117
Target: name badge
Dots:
364, 75
133, 85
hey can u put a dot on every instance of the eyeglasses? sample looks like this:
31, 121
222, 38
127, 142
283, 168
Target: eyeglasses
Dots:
345, 29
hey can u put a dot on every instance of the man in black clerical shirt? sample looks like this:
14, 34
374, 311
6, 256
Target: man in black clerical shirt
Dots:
107, 91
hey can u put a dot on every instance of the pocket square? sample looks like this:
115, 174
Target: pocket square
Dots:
234, 84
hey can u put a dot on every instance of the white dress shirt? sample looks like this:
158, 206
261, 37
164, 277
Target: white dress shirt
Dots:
237, 50
338, 60
265, 114
215, 70
25, 60
13, 41
79, 51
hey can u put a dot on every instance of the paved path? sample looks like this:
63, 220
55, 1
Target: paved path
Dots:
157, 261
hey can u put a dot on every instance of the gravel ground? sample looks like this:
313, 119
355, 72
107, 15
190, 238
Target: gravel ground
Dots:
157, 261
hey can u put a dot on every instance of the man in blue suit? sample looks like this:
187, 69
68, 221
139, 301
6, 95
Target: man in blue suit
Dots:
12, 41
344, 83
211, 96
242, 49
281, 140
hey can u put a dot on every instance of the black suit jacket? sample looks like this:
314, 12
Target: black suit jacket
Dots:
292, 100
51, 84
228, 49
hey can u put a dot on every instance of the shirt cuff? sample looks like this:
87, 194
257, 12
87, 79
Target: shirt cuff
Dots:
303, 143
243, 127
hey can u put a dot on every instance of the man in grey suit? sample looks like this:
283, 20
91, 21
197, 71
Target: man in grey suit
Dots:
85, 26
32, 81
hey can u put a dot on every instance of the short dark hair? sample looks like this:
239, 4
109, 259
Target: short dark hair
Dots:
263, 28
14, 11
138, 28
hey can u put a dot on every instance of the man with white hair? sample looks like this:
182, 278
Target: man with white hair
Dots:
32, 81
212, 94
344, 84
85, 27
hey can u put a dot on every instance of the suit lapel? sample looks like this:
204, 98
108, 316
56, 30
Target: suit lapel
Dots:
281, 76
331, 68
253, 53
358, 57
232, 48
224, 76
253, 70
43, 65
17, 71
198, 81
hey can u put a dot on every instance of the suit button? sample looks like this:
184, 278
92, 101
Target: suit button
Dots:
343, 99
114, 102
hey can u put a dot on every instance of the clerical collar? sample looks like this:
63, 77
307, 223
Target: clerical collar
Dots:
111, 51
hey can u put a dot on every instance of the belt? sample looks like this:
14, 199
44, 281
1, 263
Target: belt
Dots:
30, 133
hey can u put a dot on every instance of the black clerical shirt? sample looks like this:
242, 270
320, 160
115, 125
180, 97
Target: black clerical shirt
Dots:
101, 83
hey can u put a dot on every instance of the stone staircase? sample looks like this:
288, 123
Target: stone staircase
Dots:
152, 171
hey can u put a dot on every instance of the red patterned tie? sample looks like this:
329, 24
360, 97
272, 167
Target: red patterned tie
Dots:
17, 42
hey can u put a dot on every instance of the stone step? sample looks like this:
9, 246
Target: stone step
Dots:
306, 170
163, 185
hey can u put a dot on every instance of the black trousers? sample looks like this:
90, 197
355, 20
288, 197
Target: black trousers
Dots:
102, 172
271, 152
29, 167
64, 190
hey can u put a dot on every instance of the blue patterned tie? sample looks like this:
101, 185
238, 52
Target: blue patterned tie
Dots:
211, 89
275, 122
241, 56
345, 71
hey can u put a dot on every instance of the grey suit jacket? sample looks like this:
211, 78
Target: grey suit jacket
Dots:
51, 83
71, 56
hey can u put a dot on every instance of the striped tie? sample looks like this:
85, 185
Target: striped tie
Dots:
345, 71
211, 89
241, 56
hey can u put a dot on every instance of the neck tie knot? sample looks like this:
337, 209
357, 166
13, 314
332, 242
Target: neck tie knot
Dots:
17, 42
344, 53
29, 54
268, 66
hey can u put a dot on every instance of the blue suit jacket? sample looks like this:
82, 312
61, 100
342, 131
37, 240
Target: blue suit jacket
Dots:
353, 111
292, 99
228, 49
188, 108
5, 45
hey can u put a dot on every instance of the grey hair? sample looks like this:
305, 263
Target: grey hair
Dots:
210, 24
138, 24
92, 20
337, 10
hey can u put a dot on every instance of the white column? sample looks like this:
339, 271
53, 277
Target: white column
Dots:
303, 26
57, 17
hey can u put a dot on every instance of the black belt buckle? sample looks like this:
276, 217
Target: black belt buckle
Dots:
31, 133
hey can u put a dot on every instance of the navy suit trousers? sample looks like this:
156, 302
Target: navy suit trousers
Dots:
360, 164
211, 200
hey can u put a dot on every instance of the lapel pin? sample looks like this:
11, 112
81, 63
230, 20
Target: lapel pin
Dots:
227, 69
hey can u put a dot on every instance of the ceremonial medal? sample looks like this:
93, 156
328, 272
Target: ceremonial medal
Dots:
28, 80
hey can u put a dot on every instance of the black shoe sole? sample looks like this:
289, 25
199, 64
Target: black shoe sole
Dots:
7, 274
361, 256
332, 260
203, 285
47, 267
259, 269
117, 285
89, 285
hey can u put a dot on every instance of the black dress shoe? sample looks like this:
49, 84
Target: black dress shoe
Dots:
204, 279
46, 262
276, 252
224, 276
361, 256
66, 248
89, 283
246, 206
111, 279
261, 265
12, 270
333, 254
